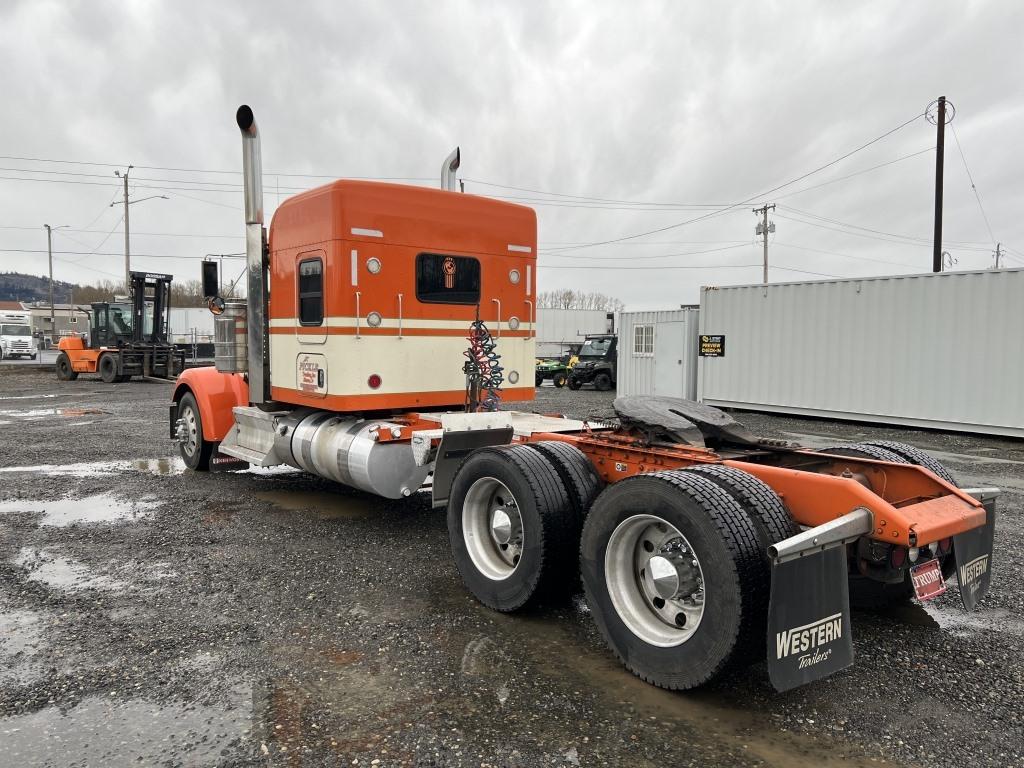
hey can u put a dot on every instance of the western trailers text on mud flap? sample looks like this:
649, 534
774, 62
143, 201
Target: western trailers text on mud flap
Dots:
809, 628
809, 635
973, 551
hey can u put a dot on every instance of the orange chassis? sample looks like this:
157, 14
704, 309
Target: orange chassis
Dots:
910, 505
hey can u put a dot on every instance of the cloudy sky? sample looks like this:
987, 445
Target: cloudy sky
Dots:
611, 119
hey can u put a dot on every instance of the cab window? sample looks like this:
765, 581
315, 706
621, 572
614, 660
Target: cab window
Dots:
443, 279
311, 292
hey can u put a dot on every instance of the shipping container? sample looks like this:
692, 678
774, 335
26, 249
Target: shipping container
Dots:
559, 329
943, 351
191, 325
658, 353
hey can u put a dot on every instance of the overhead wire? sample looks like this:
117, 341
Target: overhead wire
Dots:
753, 197
974, 187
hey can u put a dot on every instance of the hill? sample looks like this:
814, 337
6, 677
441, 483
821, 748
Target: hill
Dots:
15, 286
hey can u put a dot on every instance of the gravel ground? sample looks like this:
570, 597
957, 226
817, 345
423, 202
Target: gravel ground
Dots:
153, 616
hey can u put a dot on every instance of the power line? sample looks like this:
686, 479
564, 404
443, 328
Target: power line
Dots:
134, 234
973, 187
876, 231
843, 255
94, 253
858, 173
758, 196
659, 256
210, 171
876, 237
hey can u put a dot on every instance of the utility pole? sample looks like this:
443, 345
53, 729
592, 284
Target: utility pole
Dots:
763, 228
49, 253
127, 247
998, 245
940, 143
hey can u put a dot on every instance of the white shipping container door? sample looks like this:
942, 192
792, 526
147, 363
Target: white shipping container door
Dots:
941, 351
658, 353
670, 349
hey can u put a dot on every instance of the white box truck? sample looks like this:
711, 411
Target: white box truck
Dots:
16, 335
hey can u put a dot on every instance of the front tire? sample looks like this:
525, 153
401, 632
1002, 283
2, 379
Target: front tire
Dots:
602, 382
195, 451
513, 532
574, 383
64, 370
108, 368
674, 578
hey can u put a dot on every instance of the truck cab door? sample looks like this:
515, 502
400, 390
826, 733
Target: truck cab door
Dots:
311, 321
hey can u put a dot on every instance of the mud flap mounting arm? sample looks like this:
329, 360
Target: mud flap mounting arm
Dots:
809, 632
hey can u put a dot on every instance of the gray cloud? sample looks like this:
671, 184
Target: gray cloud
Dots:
662, 102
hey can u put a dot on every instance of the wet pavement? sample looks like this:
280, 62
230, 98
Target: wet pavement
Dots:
153, 616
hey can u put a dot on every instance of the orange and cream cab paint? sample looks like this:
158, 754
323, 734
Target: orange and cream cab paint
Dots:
373, 288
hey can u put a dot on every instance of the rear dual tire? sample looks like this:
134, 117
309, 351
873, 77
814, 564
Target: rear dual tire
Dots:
674, 577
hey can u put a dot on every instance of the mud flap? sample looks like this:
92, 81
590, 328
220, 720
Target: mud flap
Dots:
973, 553
221, 462
455, 447
809, 631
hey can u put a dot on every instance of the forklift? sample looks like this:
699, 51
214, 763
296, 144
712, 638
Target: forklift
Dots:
126, 338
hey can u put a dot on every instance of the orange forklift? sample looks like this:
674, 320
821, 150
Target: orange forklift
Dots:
126, 338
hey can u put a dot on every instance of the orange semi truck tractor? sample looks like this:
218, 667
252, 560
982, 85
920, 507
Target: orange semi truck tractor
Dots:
383, 325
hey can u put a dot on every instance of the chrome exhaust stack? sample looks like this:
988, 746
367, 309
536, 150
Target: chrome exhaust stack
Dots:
255, 253
448, 169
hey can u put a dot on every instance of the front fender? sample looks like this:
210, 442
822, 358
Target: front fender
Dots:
216, 394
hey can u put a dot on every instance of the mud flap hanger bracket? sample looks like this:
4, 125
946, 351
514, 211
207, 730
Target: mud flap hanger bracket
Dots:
834, 533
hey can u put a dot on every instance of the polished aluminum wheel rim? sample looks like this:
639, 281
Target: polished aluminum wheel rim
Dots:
191, 430
655, 581
492, 528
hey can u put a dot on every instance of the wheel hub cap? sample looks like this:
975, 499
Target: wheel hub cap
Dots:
501, 526
492, 528
654, 580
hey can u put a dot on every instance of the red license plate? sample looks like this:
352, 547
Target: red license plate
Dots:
927, 580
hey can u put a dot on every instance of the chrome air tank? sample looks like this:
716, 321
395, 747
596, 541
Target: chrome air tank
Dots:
347, 450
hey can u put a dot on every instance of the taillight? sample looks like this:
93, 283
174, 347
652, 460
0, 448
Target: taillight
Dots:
897, 557
374, 381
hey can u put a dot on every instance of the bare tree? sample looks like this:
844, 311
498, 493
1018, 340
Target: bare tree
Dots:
566, 298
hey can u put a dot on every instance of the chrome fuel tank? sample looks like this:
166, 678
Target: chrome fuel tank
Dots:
347, 450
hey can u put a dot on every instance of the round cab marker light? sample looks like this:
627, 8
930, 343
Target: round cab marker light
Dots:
373, 265
374, 381
373, 319
513, 323
513, 377
513, 277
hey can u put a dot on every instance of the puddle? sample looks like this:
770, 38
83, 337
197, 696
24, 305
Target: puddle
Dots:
326, 506
20, 632
113, 734
34, 414
164, 466
168, 466
62, 572
104, 508
21, 637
